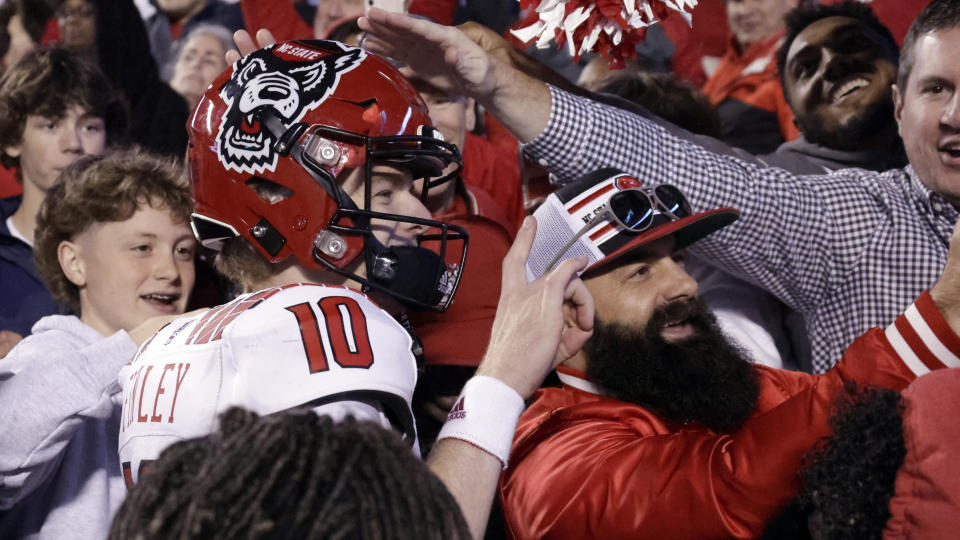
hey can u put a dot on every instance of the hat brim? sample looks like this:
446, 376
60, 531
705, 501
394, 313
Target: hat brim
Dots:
685, 231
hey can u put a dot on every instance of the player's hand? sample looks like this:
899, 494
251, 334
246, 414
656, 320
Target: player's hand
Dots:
529, 336
246, 45
441, 55
149, 327
946, 292
8, 339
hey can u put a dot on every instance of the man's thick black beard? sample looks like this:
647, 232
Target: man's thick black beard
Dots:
703, 378
878, 118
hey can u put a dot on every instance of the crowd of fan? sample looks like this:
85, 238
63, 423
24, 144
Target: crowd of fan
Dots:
773, 354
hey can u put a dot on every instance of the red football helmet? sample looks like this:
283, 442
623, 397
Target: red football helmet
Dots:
272, 134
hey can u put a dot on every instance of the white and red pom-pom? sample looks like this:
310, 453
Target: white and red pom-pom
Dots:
612, 28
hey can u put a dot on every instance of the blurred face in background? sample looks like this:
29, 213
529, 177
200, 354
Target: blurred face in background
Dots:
199, 63
78, 25
752, 21
50, 144
453, 115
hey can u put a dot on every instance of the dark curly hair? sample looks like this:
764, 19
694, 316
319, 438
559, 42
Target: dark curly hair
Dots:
848, 485
806, 14
290, 475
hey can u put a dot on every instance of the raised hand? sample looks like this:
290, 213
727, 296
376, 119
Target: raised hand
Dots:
246, 45
493, 43
530, 336
441, 55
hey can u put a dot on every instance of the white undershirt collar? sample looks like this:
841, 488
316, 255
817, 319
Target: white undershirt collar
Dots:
16, 234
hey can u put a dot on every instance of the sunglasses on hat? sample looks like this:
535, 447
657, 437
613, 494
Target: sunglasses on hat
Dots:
634, 209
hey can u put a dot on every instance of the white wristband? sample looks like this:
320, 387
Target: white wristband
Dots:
485, 416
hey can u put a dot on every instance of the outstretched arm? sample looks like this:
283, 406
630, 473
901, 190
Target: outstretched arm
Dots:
529, 338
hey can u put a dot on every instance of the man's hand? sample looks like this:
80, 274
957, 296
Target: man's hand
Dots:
8, 339
245, 44
149, 327
529, 337
506, 54
441, 55
449, 60
946, 292
493, 43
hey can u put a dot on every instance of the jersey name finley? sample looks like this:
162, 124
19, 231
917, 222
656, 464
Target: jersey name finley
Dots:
153, 384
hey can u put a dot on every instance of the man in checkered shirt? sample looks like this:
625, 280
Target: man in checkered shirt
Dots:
849, 250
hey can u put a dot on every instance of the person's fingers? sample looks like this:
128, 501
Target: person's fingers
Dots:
245, 44
403, 31
571, 340
265, 38
584, 308
559, 278
390, 19
452, 57
514, 273
380, 28
383, 48
481, 35
389, 42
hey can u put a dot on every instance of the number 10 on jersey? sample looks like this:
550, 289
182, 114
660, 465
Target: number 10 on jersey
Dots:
345, 329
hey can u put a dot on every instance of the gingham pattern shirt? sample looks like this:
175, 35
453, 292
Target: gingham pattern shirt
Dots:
850, 250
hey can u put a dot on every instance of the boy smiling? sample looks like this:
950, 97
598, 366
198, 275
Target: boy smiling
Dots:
113, 242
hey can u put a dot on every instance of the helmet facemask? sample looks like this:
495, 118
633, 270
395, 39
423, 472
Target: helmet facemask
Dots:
424, 276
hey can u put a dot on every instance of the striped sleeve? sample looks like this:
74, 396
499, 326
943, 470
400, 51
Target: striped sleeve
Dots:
922, 338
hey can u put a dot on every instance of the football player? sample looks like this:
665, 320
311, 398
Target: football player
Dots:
303, 157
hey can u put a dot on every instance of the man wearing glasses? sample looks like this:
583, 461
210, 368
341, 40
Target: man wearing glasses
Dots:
848, 250
661, 428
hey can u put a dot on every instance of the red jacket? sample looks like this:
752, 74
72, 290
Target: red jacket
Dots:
459, 336
588, 466
926, 503
487, 165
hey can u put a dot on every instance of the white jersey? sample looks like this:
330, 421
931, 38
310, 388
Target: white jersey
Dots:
325, 347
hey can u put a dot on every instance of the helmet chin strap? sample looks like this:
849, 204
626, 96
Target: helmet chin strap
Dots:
409, 272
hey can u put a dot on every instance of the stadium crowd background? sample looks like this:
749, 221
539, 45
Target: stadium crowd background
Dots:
832, 292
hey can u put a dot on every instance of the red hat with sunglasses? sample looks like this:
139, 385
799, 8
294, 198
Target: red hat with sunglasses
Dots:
607, 213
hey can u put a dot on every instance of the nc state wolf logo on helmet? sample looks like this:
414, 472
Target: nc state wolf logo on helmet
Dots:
266, 78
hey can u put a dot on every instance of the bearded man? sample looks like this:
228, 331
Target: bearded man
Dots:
662, 428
